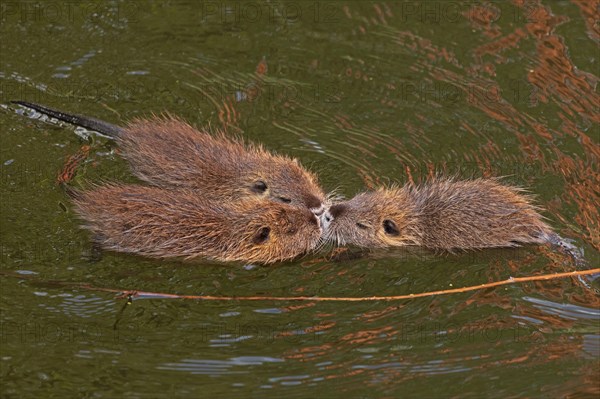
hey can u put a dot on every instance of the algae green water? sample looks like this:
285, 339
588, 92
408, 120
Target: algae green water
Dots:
364, 94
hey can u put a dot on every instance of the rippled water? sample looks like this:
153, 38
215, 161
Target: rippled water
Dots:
362, 93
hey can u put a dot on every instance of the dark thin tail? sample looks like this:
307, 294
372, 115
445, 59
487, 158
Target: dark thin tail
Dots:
89, 123
577, 255
566, 246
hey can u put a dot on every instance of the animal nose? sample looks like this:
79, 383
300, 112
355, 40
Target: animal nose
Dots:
318, 221
318, 211
313, 202
327, 216
336, 210
314, 219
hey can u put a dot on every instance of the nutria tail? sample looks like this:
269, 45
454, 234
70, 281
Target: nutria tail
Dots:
566, 246
84, 121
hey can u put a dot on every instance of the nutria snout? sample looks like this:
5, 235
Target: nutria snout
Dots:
336, 210
312, 218
161, 223
442, 214
314, 203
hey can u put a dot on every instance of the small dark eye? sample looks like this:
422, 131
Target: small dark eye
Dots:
284, 200
390, 228
259, 187
261, 235
361, 226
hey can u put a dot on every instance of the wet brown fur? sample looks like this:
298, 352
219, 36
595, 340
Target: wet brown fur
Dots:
443, 214
160, 223
167, 152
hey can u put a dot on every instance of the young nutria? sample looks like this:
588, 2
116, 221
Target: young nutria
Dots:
161, 223
442, 214
167, 152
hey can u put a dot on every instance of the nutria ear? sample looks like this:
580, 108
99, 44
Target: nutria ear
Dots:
261, 235
390, 228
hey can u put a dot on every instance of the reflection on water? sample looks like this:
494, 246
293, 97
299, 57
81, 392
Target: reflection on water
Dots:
363, 93
216, 367
567, 311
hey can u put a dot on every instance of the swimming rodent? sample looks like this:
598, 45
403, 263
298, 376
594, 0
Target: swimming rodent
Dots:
167, 152
161, 223
440, 214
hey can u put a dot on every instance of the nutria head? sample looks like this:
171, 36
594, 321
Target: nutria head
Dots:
168, 152
375, 219
283, 180
162, 223
271, 232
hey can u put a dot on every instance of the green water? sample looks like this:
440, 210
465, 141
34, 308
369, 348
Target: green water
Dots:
364, 94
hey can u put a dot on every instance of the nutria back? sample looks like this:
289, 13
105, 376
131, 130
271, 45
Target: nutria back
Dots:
443, 214
161, 223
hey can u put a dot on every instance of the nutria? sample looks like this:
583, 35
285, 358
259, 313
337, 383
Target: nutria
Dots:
441, 214
161, 223
167, 152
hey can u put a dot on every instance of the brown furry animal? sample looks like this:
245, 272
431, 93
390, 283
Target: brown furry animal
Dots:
443, 214
171, 153
167, 152
160, 223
